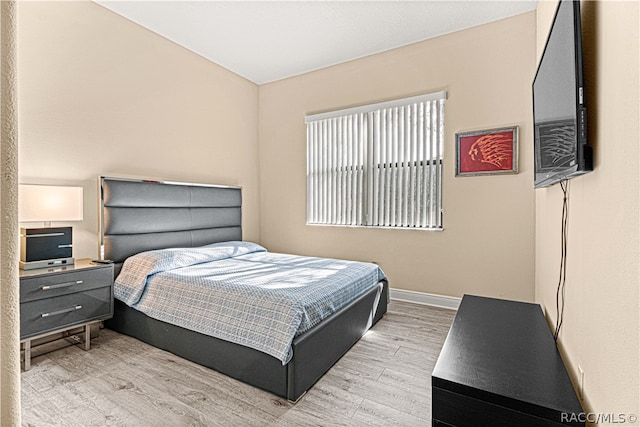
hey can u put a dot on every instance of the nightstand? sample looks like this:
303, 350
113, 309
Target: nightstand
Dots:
54, 300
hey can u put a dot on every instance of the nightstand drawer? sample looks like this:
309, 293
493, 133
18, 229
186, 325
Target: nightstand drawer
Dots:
45, 315
53, 285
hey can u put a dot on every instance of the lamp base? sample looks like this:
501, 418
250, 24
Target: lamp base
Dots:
46, 263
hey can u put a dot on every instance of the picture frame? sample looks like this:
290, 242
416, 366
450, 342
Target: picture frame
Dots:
487, 152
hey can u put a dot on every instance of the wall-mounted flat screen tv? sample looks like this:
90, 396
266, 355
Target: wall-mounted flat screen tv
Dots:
559, 108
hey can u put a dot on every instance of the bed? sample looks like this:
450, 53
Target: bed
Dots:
150, 218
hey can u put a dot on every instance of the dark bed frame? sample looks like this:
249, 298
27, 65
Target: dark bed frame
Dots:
137, 216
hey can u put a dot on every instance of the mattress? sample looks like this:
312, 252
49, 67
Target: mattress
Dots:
240, 292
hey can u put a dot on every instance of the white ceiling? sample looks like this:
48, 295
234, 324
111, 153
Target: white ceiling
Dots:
265, 41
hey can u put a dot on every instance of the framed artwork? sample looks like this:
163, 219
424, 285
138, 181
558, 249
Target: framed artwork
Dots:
487, 152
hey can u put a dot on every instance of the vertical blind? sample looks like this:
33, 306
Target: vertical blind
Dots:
378, 165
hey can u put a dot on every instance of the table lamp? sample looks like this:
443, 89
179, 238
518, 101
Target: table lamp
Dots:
47, 246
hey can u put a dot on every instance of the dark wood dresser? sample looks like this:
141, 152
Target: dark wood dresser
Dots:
499, 366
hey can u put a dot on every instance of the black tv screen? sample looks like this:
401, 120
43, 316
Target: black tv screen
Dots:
559, 108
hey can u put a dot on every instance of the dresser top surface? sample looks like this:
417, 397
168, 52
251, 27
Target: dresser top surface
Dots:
503, 351
79, 265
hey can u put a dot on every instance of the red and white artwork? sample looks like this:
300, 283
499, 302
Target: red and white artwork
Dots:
487, 152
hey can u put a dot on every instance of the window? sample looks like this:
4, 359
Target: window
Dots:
378, 165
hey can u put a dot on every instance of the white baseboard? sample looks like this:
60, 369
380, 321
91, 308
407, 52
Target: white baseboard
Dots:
442, 301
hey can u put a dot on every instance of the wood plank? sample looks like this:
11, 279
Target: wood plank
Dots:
376, 415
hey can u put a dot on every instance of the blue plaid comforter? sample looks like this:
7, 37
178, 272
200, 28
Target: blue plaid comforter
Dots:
239, 292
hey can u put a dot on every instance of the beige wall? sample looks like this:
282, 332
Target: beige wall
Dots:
101, 95
9, 287
601, 325
487, 246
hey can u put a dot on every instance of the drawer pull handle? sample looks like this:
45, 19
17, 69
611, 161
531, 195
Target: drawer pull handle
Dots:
66, 310
61, 285
31, 236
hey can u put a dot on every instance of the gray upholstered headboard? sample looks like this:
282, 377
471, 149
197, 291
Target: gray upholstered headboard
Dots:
137, 216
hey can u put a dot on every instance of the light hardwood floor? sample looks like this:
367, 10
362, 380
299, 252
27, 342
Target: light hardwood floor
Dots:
384, 380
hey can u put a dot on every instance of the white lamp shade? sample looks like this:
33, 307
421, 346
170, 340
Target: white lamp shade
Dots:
45, 203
